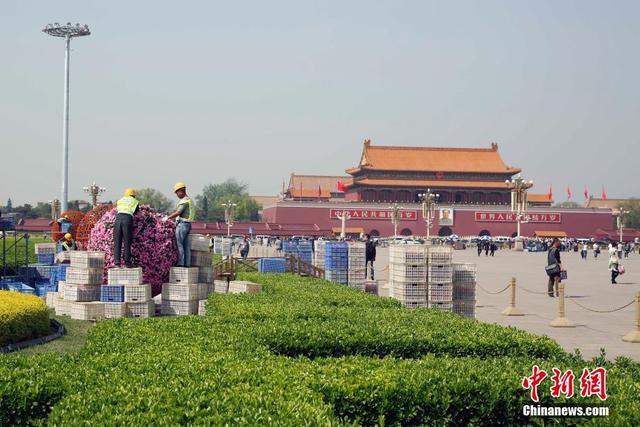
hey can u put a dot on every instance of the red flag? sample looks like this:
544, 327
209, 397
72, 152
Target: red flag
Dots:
301, 195
550, 194
604, 194
283, 186
342, 187
568, 192
319, 191
586, 192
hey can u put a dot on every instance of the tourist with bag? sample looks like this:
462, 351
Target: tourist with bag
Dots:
554, 268
614, 264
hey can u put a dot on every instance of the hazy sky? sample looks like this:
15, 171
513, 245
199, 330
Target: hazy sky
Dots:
202, 91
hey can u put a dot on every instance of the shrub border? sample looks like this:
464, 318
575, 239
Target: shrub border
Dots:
55, 325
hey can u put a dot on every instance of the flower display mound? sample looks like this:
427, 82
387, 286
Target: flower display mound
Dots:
22, 317
154, 244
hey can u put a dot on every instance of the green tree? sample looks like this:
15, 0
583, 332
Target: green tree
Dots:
9, 207
567, 204
155, 199
229, 190
632, 219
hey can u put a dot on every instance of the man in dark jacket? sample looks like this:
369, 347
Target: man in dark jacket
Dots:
370, 253
553, 257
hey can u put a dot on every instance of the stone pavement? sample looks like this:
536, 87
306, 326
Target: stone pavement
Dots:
588, 284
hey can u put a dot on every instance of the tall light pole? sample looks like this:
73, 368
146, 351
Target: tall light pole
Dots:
519, 189
429, 201
621, 215
395, 218
343, 216
228, 215
67, 31
94, 190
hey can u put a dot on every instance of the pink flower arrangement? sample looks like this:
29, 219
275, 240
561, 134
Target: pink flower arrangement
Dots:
154, 245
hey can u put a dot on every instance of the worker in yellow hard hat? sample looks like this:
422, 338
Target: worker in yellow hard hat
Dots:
68, 244
185, 214
127, 207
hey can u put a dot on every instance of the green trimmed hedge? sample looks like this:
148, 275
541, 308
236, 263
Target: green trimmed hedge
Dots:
304, 352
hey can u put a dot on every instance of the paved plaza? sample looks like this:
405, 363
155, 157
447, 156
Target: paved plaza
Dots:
588, 284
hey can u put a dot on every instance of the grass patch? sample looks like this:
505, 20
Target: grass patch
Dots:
72, 341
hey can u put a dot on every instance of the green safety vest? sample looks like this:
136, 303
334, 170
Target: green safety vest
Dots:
192, 209
127, 205
66, 246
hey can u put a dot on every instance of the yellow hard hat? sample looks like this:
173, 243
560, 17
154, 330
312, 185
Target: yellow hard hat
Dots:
68, 236
130, 192
179, 186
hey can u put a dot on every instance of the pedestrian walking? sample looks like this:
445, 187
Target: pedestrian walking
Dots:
493, 248
486, 248
614, 264
596, 250
553, 268
584, 251
479, 248
244, 248
370, 255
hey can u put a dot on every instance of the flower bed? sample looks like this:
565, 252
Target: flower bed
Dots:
22, 317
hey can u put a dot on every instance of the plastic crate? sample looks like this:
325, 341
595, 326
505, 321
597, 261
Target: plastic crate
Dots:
62, 306
46, 259
115, 310
201, 258
241, 287
408, 254
199, 242
408, 273
179, 308
181, 291
440, 292
440, 273
409, 292
23, 288
50, 299
41, 271
414, 304
87, 259
464, 272
440, 255
220, 286
81, 293
465, 308
45, 248
125, 276
183, 275
141, 309
112, 293
202, 307
272, 265
84, 276
464, 291
87, 310
137, 293
206, 274
442, 306
337, 276
61, 285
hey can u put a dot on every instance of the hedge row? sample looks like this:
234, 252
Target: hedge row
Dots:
22, 317
235, 367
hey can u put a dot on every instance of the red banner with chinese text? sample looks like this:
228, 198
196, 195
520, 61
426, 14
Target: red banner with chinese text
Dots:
374, 214
511, 217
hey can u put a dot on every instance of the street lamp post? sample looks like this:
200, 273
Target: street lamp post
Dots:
228, 215
343, 216
429, 201
519, 189
94, 190
395, 218
621, 215
67, 31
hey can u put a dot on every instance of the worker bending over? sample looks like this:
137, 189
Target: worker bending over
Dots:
185, 214
123, 228
69, 244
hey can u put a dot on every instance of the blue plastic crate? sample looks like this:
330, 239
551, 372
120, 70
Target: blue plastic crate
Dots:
42, 271
21, 287
45, 258
272, 265
65, 227
112, 293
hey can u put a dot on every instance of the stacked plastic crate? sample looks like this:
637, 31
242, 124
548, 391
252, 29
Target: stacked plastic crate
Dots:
318, 253
336, 261
440, 278
305, 251
44, 269
464, 289
222, 246
125, 294
202, 258
408, 274
181, 295
272, 265
81, 297
357, 268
